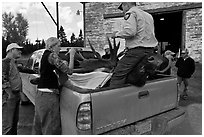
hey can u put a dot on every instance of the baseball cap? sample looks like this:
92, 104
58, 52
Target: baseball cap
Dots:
13, 46
121, 8
169, 52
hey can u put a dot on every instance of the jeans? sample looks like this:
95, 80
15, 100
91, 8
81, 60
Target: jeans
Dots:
131, 58
185, 82
47, 120
10, 113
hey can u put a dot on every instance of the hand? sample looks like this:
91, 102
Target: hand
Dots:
10, 93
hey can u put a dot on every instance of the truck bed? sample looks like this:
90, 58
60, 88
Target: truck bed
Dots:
116, 107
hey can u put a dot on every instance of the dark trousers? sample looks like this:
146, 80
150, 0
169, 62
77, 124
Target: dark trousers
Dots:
47, 119
185, 82
10, 113
131, 58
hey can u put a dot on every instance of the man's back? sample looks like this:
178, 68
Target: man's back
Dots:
144, 35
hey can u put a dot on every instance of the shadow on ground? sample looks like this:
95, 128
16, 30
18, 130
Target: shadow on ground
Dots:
190, 100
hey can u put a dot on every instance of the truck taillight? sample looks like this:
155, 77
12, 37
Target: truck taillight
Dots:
84, 118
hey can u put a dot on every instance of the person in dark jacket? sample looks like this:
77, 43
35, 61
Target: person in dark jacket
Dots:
47, 120
186, 68
107, 52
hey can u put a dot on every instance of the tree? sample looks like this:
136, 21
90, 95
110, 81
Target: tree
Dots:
80, 35
63, 37
8, 25
42, 44
80, 40
14, 29
22, 27
73, 39
5, 43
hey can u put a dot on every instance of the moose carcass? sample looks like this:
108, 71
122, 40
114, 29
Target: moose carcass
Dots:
89, 65
139, 74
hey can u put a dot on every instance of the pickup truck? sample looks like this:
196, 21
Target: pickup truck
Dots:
126, 109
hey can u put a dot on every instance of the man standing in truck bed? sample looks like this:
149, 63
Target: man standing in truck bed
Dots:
138, 32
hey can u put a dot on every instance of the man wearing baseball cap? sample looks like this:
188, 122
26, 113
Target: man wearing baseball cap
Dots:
11, 88
185, 69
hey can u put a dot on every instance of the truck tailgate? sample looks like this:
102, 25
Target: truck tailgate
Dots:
113, 108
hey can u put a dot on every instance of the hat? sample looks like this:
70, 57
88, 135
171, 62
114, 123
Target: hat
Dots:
120, 6
106, 47
168, 52
13, 46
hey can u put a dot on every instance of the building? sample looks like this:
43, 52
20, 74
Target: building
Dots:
178, 25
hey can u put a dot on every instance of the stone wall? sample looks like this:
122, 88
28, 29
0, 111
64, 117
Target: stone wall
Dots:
193, 39
96, 26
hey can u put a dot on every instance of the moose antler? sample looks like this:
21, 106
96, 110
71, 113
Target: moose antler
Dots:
99, 57
113, 50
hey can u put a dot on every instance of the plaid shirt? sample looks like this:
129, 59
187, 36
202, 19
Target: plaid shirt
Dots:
62, 65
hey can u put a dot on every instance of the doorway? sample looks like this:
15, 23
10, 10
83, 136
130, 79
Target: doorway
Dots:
168, 31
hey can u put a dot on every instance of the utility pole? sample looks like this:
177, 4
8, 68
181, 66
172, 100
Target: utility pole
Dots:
57, 12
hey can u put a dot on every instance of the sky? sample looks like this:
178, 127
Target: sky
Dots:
41, 26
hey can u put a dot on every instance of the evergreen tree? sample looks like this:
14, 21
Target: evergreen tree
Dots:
43, 44
63, 37
73, 39
80, 35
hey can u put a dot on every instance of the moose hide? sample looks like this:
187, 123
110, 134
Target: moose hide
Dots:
146, 68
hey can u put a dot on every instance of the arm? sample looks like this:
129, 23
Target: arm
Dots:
62, 65
5, 78
71, 58
129, 29
5, 75
192, 66
178, 62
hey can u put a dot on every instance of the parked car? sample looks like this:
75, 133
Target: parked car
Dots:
92, 107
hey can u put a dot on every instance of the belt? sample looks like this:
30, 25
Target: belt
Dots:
139, 47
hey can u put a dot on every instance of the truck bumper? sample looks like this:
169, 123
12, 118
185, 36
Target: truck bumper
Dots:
156, 125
